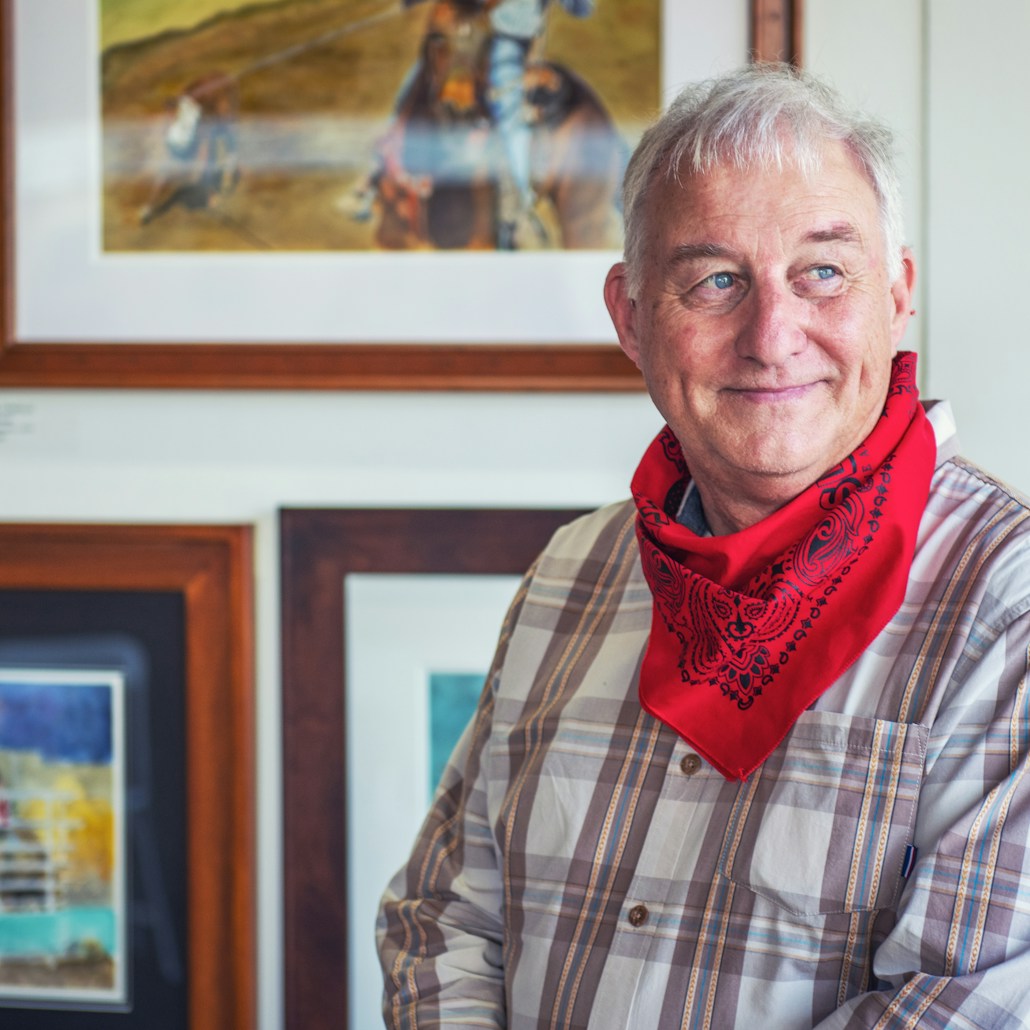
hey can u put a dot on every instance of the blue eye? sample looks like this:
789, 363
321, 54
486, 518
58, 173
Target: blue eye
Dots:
722, 280
825, 272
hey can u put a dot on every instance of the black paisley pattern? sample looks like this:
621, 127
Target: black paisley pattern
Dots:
739, 641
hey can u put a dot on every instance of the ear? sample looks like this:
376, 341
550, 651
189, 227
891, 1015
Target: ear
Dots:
901, 295
623, 311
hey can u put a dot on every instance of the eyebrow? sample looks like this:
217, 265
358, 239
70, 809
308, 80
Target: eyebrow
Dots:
693, 251
839, 232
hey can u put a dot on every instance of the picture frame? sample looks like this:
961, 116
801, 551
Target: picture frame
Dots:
322, 549
207, 572
566, 346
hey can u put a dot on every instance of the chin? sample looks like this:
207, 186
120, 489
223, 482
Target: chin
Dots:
790, 466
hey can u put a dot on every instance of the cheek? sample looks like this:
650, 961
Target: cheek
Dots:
679, 339
857, 337
876, 376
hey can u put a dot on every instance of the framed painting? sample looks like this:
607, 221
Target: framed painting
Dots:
389, 620
183, 187
126, 795
64, 932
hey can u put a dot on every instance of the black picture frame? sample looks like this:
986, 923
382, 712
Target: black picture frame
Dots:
142, 637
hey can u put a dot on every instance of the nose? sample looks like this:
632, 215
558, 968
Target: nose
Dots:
774, 324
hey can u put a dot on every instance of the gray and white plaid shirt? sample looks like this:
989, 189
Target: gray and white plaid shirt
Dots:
581, 868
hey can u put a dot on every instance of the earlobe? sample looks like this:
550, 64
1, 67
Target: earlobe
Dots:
622, 309
901, 295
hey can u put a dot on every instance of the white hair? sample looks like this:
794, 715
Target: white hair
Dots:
768, 115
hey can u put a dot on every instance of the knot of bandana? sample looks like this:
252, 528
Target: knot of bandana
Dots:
749, 629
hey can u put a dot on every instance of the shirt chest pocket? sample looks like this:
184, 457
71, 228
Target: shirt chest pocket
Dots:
825, 824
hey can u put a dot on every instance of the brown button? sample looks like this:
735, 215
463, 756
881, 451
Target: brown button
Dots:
638, 915
690, 764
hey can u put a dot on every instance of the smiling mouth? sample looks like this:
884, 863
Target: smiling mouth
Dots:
773, 393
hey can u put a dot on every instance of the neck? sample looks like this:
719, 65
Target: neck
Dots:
736, 508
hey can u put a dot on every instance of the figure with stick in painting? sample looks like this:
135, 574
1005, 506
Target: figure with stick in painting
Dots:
516, 24
486, 139
200, 163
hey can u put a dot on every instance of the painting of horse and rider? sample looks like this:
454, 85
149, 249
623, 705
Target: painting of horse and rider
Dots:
232, 125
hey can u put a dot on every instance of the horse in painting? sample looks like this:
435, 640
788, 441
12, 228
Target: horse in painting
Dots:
441, 162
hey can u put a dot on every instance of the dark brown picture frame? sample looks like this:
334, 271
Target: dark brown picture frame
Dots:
776, 34
211, 567
319, 548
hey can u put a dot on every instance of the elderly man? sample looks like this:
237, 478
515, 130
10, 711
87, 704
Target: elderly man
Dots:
753, 751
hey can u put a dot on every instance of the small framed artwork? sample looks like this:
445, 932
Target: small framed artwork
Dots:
409, 694
126, 822
390, 618
335, 193
63, 906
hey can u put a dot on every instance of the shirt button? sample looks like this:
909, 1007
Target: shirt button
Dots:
690, 764
638, 915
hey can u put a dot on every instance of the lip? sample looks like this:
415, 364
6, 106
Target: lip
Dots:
773, 394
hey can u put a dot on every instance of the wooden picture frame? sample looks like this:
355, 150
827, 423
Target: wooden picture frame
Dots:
777, 30
320, 548
211, 568
156, 363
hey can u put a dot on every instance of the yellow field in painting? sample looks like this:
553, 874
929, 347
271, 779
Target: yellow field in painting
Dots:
122, 21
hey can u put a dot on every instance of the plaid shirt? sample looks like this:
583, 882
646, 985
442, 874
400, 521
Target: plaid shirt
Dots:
580, 867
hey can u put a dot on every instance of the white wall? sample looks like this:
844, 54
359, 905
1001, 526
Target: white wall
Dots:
978, 217
873, 53
952, 78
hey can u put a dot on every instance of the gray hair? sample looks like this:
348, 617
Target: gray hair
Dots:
763, 114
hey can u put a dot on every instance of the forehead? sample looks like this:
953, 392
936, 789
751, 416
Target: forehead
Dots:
795, 198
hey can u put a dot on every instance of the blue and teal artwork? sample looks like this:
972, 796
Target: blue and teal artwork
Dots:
62, 933
452, 701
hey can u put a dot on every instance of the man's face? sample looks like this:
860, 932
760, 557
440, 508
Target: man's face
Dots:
765, 323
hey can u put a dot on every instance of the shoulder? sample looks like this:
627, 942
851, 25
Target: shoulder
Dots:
598, 537
961, 490
976, 531
585, 591
593, 557
583, 534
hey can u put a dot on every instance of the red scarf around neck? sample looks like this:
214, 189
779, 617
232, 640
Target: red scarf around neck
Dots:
750, 628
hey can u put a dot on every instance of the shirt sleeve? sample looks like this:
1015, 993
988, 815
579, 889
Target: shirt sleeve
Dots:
440, 925
959, 951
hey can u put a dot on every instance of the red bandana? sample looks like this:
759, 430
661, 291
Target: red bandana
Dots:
750, 628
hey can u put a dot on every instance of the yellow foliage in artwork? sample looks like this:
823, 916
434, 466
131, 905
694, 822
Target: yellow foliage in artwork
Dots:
78, 827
